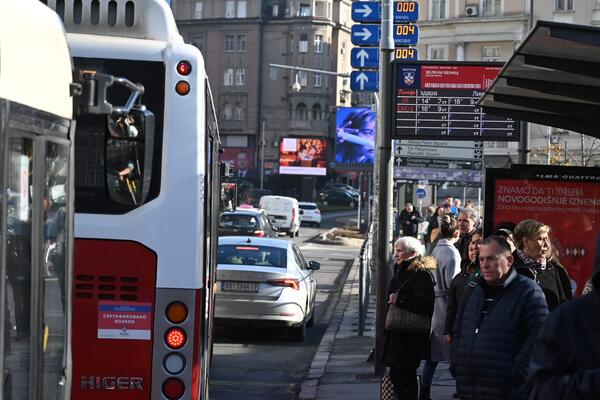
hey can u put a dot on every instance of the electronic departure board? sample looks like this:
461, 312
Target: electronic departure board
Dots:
436, 100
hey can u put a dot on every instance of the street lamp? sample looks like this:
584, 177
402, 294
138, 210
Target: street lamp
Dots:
296, 85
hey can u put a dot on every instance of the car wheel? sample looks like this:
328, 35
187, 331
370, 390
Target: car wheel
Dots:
311, 321
291, 234
298, 333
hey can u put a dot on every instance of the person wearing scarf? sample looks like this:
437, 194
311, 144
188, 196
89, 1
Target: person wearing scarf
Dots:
533, 258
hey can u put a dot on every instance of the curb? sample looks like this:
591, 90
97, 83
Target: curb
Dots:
336, 240
310, 386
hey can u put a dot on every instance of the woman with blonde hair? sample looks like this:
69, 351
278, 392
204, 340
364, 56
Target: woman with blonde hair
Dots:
534, 258
411, 288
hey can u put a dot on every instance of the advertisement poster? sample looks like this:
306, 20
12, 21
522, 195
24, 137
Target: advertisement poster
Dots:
303, 156
355, 135
242, 159
565, 198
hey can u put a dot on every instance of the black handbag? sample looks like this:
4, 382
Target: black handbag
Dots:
399, 319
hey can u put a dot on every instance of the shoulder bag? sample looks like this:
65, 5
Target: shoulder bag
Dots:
402, 320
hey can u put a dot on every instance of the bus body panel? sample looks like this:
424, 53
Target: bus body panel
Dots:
33, 81
113, 281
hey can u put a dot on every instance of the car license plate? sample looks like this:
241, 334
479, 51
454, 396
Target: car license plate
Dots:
240, 287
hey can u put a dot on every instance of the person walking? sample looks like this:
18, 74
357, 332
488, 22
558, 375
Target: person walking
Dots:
408, 220
411, 288
496, 327
533, 258
565, 364
468, 221
448, 266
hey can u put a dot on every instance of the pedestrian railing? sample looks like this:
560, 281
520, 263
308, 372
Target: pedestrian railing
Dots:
365, 274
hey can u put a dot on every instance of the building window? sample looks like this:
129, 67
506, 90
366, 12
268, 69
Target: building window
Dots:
563, 5
302, 78
316, 112
241, 9
227, 111
490, 53
317, 79
318, 43
198, 10
304, 10
229, 9
229, 40
240, 77
492, 7
438, 9
238, 112
228, 77
198, 41
303, 44
437, 53
241, 42
301, 111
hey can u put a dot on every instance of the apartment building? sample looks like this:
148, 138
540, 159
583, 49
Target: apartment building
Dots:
258, 105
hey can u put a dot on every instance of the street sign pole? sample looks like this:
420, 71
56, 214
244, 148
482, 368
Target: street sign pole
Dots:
382, 177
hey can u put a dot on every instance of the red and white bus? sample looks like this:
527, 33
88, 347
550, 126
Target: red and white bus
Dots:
146, 203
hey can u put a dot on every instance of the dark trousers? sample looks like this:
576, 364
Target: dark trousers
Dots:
405, 380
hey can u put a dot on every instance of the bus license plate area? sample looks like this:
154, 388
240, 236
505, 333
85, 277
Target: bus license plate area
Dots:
239, 287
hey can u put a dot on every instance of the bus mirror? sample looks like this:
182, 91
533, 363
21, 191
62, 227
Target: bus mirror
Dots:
129, 151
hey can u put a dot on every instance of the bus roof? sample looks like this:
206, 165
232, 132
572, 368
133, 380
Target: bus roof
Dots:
136, 19
35, 65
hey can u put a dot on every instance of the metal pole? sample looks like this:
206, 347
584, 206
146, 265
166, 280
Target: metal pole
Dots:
359, 201
524, 143
262, 154
383, 177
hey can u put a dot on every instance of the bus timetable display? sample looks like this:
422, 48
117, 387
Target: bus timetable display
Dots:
439, 101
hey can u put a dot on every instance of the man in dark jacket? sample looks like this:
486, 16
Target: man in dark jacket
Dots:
408, 220
496, 327
565, 364
468, 221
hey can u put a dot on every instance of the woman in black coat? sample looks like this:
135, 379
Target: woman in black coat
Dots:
403, 352
534, 258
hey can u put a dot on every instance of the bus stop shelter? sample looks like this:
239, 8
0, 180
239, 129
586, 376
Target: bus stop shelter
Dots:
553, 79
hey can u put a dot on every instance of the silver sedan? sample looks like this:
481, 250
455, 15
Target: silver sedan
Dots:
265, 281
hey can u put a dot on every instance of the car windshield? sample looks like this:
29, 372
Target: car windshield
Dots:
248, 254
230, 221
308, 206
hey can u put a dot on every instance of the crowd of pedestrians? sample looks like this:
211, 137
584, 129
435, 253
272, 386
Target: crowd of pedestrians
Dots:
501, 308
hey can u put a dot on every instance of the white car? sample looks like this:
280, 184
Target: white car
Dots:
265, 281
309, 213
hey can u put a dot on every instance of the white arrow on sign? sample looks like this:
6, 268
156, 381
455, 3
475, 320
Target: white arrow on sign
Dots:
361, 79
365, 34
365, 11
362, 55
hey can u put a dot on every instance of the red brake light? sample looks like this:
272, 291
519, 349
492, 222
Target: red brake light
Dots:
184, 68
317, 212
246, 248
173, 388
175, 338
286, 282
259, 233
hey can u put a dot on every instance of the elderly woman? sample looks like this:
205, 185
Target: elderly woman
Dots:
411, 288
533, 258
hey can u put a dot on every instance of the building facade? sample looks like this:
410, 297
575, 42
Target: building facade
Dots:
258, 105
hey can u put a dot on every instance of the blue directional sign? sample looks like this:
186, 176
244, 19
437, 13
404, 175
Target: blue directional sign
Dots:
421, 193
364, 81
370, 11
367, 57
369, 35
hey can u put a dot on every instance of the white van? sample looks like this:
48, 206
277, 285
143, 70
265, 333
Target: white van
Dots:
285, 212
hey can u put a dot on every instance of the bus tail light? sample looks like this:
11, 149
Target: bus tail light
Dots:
184, 68
176, 312
174, 363
175, 338
173, 388
182, 88
286, 282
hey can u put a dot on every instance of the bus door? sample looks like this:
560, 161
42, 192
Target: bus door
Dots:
35, 152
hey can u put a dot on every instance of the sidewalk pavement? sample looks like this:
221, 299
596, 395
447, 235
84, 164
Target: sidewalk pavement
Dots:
340, 369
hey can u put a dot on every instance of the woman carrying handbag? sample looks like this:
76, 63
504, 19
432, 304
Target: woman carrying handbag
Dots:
410, 289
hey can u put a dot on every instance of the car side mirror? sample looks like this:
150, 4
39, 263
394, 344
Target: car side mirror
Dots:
313, 265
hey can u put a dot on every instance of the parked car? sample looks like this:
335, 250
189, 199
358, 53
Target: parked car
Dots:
309, 213
338, 196
343, 186
246, 222
285, 212
265, 281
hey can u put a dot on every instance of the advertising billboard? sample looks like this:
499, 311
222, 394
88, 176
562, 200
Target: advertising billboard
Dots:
355, 135
242, 159
565, 198
303, 156
438, 100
